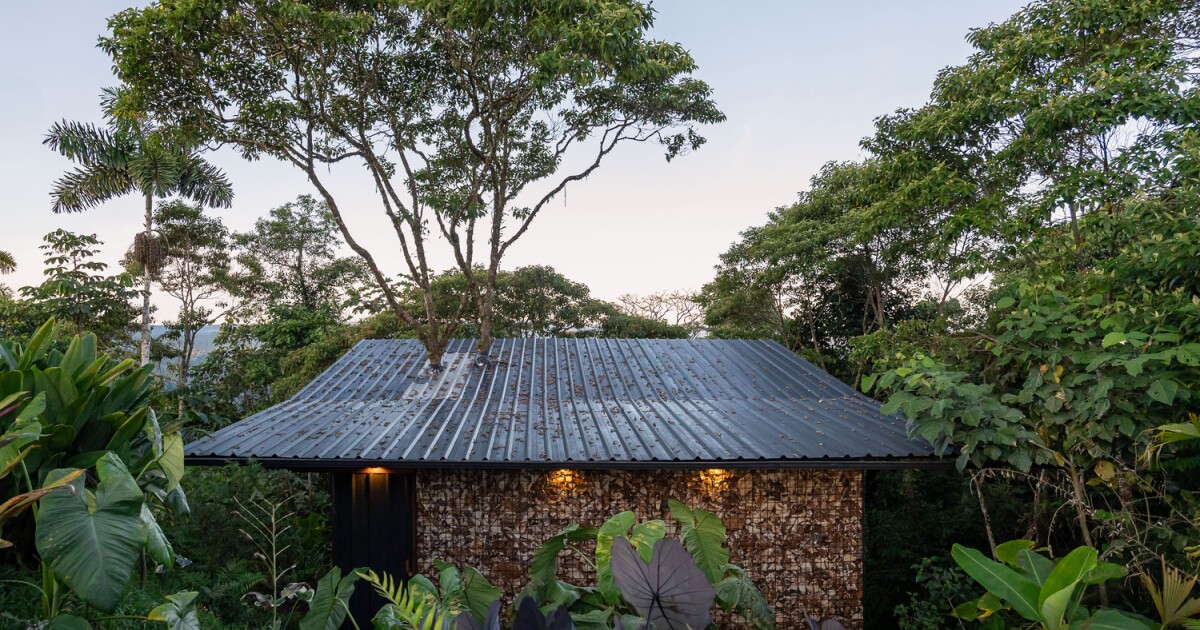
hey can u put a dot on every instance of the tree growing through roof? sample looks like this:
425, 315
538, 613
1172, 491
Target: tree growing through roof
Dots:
132, 154
465, 114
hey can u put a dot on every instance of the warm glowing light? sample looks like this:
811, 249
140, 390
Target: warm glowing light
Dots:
375, 470
716, 478
563, 480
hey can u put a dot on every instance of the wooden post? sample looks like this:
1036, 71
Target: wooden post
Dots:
374, 526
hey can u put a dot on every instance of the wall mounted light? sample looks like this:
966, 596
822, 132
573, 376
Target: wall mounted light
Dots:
375, 470
715, 479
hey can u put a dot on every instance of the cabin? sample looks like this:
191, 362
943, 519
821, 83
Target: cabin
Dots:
481, 463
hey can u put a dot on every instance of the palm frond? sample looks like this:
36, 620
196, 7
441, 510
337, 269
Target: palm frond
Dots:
8, 264
407, 606
155, 171
204, 183
88, 144
88, 187
1173, 600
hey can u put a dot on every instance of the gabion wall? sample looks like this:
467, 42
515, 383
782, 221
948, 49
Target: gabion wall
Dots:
797, 533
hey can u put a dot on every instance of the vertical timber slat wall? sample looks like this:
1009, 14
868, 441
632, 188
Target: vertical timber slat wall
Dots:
374, 527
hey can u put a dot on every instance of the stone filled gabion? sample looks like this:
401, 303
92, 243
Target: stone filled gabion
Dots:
797, 533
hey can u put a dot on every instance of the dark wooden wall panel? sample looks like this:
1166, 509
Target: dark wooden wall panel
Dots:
373, 527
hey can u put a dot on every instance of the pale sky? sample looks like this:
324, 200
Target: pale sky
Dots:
800, 82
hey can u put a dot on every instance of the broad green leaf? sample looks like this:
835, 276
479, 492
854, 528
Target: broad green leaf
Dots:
1059, 588
1017, 590
1035, 565
1112, 339
178, 612
331, 602
92, 542
68, 622
703, 534
1006, 552
157, 546
543, 569
1113, 620
171, 461
618, 525
1105, 572
1163, 390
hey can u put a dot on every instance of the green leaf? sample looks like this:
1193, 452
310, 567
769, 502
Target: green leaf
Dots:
92, 543
467, 587
618, 525
543, 569
703, 534
1017, 590
331, 602
157, 546
1005, 302
1112, 339
1035, 565
1163, 390
1059, 588
1007, 552
68, 622
171, 461
178, 612
1109, 619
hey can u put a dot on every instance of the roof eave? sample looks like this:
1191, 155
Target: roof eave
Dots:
350, 465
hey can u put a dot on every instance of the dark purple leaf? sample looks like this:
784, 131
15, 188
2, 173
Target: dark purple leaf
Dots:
530, 617
671, 592
491, 621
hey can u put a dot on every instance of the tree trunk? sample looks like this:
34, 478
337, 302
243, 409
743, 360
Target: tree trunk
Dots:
145, 340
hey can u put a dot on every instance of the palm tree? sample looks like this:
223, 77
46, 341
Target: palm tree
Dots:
7, 263
132, 155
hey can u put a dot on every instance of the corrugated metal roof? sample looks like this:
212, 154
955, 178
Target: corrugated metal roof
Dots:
571, 402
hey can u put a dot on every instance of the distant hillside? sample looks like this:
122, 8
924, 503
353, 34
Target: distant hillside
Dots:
205, 340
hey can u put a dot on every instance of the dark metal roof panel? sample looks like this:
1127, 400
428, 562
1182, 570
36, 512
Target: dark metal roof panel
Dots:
603, 402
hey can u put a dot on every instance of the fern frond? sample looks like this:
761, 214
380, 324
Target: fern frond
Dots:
411, 608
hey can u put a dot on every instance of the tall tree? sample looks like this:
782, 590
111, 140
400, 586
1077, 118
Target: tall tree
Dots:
78, 290
456, 109
195, 273
290, 259
132, 155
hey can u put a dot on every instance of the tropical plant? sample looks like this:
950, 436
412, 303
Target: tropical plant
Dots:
411, 606
265, 524
1046, 591
330, 603
669, 591
131, 154
702, 535
8, 264
18, 439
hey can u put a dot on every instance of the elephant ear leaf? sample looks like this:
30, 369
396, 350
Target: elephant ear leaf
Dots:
331, 602
92, 543
670, 592
178, 612
491, 621
530, 617
703, 534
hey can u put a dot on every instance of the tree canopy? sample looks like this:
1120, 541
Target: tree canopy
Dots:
461, 112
